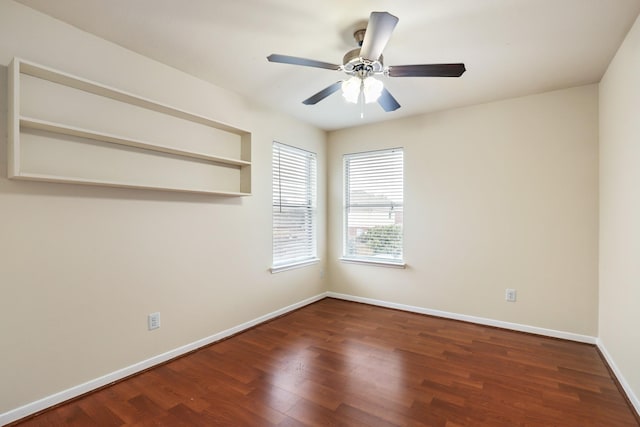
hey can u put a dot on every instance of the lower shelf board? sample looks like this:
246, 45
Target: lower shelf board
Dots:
83, 181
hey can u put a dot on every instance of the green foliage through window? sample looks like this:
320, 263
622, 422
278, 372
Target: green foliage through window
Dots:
383, 239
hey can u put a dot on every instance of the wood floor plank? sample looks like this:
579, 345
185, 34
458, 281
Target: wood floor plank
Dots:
340, 363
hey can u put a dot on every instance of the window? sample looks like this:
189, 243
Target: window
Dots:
294, 207
373, 207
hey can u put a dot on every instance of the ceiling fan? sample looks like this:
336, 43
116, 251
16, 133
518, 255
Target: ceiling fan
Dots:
365, 62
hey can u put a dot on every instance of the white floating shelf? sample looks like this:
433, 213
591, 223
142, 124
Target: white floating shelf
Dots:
37, 162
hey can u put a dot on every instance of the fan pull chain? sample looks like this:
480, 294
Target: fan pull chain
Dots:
361, 99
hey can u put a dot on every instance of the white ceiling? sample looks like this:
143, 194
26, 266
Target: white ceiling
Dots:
510, 47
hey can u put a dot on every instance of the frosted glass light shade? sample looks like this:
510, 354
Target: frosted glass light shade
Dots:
351, 89
372, 89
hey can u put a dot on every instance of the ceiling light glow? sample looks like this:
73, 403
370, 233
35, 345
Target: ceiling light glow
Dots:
372, 89
351, 89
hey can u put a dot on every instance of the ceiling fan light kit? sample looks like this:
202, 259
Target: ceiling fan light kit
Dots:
363, 63
369, 87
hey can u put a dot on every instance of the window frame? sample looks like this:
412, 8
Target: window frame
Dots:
310, 195
347, 178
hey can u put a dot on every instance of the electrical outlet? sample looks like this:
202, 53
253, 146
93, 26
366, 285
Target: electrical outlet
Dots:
510, 295
322, 273
153, 321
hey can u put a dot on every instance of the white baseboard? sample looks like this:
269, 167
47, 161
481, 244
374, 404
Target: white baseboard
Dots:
472, 319
54, 399
616, 371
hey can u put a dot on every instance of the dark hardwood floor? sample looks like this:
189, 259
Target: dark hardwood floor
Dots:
337, 363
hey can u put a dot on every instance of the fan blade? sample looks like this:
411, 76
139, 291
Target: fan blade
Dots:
377, 34
387, 101
427, 70
314, 99
294, 60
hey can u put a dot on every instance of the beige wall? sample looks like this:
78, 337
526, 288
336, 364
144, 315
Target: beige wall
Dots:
500, 195
82, 266
620, 210
497, 195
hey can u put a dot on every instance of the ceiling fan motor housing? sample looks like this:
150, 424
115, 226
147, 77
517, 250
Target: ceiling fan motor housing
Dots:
353, 63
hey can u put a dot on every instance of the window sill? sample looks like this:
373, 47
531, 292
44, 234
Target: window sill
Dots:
294, 265
390, 264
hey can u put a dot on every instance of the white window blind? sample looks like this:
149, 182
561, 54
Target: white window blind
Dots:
374, 206
294, 206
